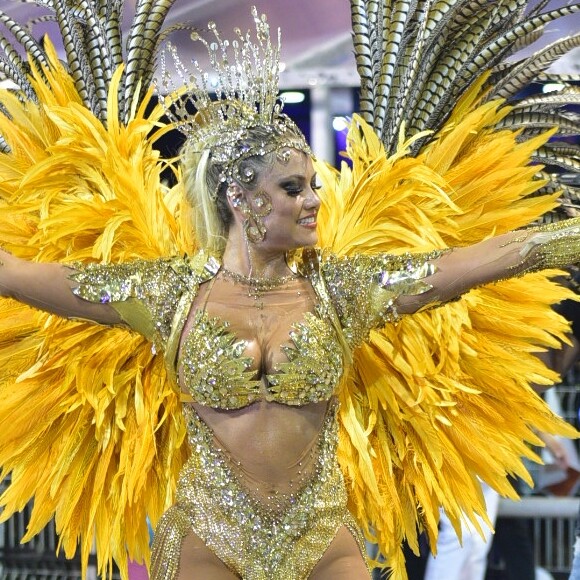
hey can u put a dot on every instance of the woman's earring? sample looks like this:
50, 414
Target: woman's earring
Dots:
253, 225
234, 196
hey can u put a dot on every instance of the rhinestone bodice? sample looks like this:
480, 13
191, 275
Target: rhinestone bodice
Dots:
258, 536
352, 296
216, 372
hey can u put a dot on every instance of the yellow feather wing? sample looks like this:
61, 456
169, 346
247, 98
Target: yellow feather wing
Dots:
443, 397
91, 427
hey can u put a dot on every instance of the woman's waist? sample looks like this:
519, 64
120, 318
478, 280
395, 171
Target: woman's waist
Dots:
266, 441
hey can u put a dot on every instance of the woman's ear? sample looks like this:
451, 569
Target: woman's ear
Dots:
235, 196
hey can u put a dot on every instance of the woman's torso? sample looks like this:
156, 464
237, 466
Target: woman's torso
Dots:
271, 443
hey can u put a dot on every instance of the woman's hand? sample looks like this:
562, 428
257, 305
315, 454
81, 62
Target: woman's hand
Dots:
557, 450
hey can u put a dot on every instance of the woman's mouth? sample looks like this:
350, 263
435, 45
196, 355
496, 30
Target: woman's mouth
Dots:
308, 222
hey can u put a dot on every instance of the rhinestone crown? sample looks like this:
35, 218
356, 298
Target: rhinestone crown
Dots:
217, 112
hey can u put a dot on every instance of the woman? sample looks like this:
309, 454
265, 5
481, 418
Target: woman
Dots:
258, 340
257, 331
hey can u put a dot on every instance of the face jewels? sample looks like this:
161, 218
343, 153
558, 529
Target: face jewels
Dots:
254, 227
263, 203
283, 155
247, 175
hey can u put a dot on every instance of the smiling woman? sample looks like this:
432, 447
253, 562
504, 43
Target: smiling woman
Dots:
258, 338
265, 370
286, 204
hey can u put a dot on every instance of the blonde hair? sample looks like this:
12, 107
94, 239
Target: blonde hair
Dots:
210, 229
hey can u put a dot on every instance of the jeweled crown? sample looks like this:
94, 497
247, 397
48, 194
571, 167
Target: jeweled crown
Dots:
216, 112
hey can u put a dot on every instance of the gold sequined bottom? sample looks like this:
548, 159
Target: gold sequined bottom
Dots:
255, 542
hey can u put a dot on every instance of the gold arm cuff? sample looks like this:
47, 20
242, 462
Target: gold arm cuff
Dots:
550, 246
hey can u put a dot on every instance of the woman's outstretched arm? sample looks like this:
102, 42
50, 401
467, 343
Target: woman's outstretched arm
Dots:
47, 286
498, 258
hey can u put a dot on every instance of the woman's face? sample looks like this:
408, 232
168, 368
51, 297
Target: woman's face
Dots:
291, 185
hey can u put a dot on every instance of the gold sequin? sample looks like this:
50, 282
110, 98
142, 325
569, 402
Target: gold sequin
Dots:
364, 289
144, 292
215, 370
552, 245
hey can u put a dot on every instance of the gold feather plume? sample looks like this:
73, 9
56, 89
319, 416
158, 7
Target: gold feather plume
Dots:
91, 427
439, 159
416, 58
442, 397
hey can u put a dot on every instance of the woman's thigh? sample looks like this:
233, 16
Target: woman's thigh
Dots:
198, 562
342, 560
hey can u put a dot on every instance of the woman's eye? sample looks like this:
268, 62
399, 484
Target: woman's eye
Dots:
293, 191
316, 186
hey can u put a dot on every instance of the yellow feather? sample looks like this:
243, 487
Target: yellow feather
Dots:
427, 409
73, 189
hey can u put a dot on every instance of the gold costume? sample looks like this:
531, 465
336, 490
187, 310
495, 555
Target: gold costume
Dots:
439, 160
256, 533
258, 538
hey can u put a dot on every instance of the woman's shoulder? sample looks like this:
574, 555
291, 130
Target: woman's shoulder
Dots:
196, 268
201, 265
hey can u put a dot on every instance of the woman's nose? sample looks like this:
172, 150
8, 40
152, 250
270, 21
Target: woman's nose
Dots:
312, 200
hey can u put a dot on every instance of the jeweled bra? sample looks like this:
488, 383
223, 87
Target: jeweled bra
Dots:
215, 370
355, 295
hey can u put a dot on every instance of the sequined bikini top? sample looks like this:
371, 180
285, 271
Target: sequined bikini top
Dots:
216, 372
355, 295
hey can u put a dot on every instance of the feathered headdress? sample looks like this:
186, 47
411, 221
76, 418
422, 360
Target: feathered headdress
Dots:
243, 94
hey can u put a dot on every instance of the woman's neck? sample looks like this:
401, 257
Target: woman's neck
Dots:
251, 260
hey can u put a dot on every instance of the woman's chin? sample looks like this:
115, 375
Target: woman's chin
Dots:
310, 240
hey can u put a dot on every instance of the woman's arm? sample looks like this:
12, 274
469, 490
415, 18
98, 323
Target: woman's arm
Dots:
498, 258
47, 286
370, 290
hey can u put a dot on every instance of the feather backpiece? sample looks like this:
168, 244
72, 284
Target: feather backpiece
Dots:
91, 427
442, 155
416, 58
81, 181
442, 398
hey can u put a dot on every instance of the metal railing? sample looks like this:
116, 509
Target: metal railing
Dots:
553, 519
553, 524
35, 560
